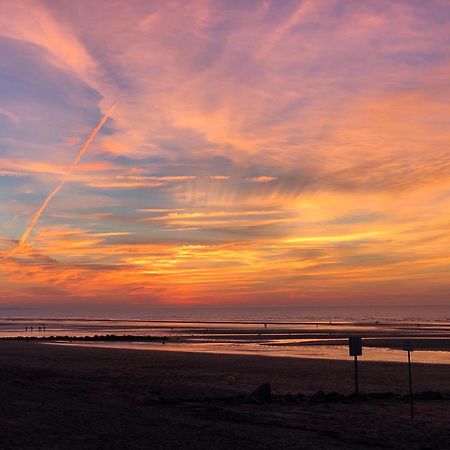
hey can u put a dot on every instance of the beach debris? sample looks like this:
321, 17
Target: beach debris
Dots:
262, 394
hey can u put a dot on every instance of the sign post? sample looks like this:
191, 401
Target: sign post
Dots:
355, 350
409, 348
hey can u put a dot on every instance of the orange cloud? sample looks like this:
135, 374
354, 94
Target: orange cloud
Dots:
344, 105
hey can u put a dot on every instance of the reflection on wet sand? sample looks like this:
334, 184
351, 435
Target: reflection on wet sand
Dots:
383, 341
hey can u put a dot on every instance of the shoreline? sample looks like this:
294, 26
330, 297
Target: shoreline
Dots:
149, 347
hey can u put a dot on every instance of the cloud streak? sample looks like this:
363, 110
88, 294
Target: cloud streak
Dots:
63, 181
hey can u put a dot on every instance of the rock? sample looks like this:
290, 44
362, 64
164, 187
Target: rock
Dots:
382, 395
429, 395
318, 397
261, 394
291, 399
277, 398
334, 397
286, 399
359, 396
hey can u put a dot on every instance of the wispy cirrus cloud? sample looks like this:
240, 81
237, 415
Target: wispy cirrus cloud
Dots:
301, 145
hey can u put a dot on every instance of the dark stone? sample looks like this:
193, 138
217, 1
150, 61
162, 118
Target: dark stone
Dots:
334, 397
239, 399
318, 397
382, 395
429, 395
359, 396
277, 398
261, 394
290, 399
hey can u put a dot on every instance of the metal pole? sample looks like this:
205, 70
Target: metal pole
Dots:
410, 386
356, 375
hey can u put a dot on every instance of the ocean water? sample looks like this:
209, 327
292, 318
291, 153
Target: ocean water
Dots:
284, 313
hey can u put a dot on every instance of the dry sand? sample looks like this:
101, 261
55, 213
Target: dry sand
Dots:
60, 397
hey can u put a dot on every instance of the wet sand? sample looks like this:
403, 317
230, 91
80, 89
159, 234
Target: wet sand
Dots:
96, 398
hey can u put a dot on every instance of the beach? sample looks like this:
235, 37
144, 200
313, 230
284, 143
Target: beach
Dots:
91, 398
382, 340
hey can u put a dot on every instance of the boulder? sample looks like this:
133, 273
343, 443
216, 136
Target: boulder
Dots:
261, 394
318, 397
334, 397
429, 395
382, 395
359, 396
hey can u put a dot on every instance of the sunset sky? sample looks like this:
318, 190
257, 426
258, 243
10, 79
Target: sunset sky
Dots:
268, 152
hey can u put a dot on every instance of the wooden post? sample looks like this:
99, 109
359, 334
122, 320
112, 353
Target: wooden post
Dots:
411, 400
409, 348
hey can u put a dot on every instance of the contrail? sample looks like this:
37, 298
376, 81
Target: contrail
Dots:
39, 212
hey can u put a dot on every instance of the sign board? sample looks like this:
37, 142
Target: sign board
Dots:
355, 346
408, 346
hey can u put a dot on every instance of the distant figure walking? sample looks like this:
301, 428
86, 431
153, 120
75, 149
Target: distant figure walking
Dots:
26, 328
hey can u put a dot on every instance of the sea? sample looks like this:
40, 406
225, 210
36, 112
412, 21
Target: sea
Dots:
319, 332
